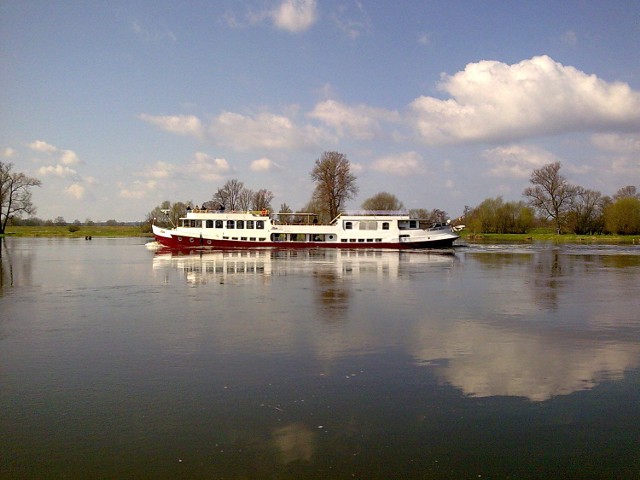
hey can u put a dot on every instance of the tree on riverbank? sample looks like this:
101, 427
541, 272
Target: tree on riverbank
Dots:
335, 184
550, 194
15, 194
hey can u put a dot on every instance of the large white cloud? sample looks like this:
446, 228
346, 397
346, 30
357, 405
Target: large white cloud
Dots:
263, 131
295, 15
75, 190
401, 164
42, 146
206, 167
361, 121
493, 101
516, 161
263, 165
180, 124
58, 171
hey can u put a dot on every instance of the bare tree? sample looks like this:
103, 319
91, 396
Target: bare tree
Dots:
261, 200
382, 201
586, 215
245, 199
551, 193
228, 196
630, 191
335, 184
15, 194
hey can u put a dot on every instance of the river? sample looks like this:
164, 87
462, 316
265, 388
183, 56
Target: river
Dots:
496, 361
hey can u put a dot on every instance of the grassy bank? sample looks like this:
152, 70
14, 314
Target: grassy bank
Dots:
63, 231
545, 235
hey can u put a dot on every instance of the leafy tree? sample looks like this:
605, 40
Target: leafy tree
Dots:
335, 184
15, 194
494, 215
623, 216
382, 201
551, 194
166, 214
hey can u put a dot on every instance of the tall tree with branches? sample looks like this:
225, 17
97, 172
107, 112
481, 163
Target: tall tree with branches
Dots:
15, 194
229, 196
550, 194
335, 184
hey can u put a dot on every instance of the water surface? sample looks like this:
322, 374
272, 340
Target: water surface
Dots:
117, 361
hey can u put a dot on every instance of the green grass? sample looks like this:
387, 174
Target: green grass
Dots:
548, 235
63, 231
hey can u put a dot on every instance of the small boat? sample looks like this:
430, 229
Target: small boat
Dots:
210, 229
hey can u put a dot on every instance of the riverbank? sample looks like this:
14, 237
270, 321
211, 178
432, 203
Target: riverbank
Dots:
82, 232
538, 235
550, 237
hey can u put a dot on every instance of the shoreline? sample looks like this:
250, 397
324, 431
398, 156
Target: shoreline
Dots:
105, 231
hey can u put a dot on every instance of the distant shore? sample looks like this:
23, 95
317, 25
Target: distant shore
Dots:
82, 232
540, 235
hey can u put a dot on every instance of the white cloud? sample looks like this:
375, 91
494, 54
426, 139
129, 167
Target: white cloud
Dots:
69, 157
58, 171
42, 146
424, 39
179, 124
516, 161
75, 190
352, 19
8, 152
263, 165
402, 164
295, 15
208, 168
361, 122
160, 170
138, 190
493, 101
262, 131
617, 143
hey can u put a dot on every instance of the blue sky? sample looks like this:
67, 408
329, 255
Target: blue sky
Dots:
116, 106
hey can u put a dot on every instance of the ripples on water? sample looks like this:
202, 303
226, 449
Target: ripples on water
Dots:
495, 361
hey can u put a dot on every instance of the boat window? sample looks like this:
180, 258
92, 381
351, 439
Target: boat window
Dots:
218, 223
413, 224
193, 223
209, 223
250, 224
240, 224
385, 225
230, 224
348, 225
369, 225
260, 224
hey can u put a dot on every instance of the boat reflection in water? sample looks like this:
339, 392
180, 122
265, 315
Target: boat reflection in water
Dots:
204, 266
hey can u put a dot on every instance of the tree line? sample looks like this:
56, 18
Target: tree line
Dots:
335, 185
550, 199
567, 207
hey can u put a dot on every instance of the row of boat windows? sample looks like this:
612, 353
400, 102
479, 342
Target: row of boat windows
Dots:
374, 225
365, 225
228, 224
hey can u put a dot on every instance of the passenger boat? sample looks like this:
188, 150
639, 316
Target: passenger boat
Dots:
368, 229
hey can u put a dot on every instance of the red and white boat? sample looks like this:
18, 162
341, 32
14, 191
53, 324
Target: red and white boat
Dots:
368, 229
